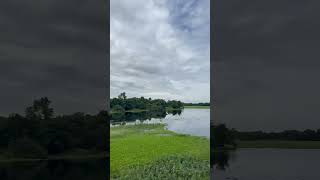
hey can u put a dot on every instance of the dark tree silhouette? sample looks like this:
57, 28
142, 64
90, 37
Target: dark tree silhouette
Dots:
40, 109
143, 103
39, 133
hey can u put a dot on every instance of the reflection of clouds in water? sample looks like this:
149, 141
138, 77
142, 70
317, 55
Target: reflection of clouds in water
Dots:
278, 164
191, 121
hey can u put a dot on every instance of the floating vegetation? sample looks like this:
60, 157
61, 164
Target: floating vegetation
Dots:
171, 167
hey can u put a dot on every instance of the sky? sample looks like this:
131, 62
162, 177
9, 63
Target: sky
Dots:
55, 49
266, 64
160, 49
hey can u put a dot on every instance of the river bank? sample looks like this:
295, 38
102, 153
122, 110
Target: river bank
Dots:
280, 144
197, 107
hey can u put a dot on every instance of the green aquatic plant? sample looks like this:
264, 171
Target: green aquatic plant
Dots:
170, 167
145, 144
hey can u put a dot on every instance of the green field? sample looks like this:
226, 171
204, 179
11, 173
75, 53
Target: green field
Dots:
279, 144
197, 107
150, 151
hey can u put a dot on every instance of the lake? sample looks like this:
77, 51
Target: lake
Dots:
267, 164
55, 169
194, 122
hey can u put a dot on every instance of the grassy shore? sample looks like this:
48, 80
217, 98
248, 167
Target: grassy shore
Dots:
279, 144
197, 107
132, 111
145, 110
139, 149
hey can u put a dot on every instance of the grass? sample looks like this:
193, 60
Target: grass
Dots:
279, 144
142, 146
171, 167
197, 107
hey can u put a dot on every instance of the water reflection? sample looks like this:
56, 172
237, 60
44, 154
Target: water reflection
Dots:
175, 112
141, 116
188, 121
220, 159
266, 164
53, 170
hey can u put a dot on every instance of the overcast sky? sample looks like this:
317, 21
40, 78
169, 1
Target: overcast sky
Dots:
161, 49
55, 49
266, 64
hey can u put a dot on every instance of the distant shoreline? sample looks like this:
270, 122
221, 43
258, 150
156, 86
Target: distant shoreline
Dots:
197, 107
168, 109
279, 144
145, 110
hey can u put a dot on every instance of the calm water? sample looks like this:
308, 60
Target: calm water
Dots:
54, 170
267, 164
188, 121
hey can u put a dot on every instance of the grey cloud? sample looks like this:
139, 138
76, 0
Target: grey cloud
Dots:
266, 64
56, 49
150, 50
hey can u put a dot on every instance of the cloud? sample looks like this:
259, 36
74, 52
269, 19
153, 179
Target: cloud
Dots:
55, 49
266, 64
160, 49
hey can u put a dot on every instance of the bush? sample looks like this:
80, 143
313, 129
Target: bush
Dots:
26, 148
56, 146
156, 108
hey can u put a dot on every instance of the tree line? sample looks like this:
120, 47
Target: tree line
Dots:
308, 134
38, 133
196, 104
223, 136
123, 103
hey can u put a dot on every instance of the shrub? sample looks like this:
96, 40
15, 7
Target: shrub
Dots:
26, 148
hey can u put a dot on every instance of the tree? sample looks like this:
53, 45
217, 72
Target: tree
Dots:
144, 103
122, 96
175, 104
222, 136
16, 126
40, 110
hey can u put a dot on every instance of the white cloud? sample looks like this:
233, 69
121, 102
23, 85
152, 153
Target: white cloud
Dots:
160, 49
